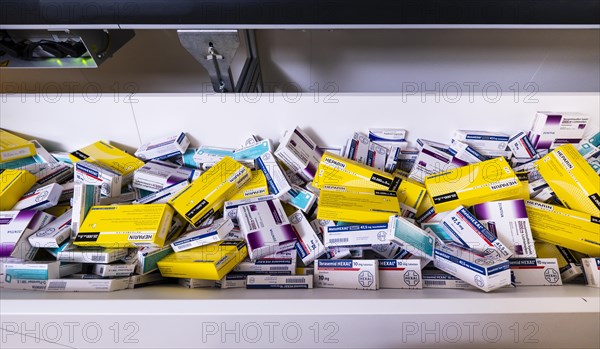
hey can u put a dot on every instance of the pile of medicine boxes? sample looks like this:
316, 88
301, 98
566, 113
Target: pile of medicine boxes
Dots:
487, 210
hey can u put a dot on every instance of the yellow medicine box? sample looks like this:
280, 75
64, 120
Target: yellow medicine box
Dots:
256, 186
571, 229
489, 180
125, 226
109, 156
13, 147
209, 262
13, 184
410, 195
357, 205
338, 171
206, 195
572, 179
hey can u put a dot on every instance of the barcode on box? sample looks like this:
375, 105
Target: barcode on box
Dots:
98, 258
185, 246
279, 268
338, 240
434, 283
295, 280
57, 285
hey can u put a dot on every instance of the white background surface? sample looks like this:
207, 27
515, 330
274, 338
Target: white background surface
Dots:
70, 121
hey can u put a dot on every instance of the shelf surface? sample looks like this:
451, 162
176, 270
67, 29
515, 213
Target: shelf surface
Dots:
176, 317
297, 13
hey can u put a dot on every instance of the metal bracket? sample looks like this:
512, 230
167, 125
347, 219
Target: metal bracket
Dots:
215, 50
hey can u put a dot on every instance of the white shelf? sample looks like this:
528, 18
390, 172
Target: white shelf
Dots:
173, 316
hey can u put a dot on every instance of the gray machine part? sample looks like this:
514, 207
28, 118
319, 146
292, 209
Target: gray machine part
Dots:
215, 50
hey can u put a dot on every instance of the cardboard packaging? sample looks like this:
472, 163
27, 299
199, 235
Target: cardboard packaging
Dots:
300, 198
108, 156
74, 254
87, 285
214, 232
357, 235
84, 197
568, 263
13, 185
347, 273
255, 187
208, 154
572, 179
509, 222
232, 280
204, 196
157, 175
394, 140
17, 273
15, 229
40, 198
465, 152
279, 281
308, 246
489, 180
550, 129
163, 148
54, 234
113, 270
108, 179
195, 283
187, 159
536, 272
42, 157
68, 269
571, 229
299, 153
266, 228
48, 173
209, 262
591, 267
137, 281
468, 232
487, 143
521, 146
13, 147
410, 196
230, 208
164, 195
357, 205
435, 278
335, 170
484, 272
412, 239
125, 226
252, 151
432, 160
400, 273
276, 180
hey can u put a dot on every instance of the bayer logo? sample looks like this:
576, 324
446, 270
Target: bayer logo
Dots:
232, 214
381, 235
551, 276
365, 279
